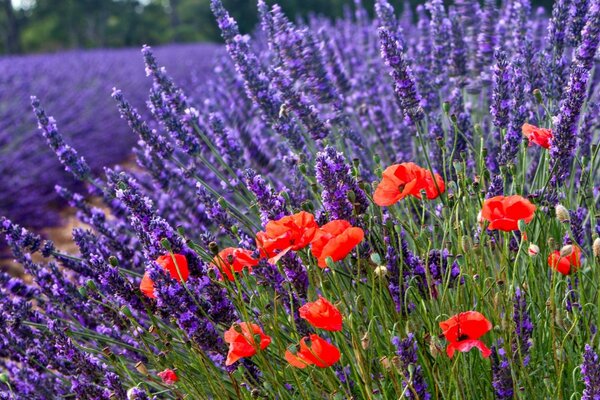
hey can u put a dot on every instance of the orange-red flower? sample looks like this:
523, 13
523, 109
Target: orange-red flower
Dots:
168, 376
401, 180
504, 213
335, 239
322, 314
463, 332
232, 260
292, 232
176, 265
565, 264
540, 136
319, 352
243, 341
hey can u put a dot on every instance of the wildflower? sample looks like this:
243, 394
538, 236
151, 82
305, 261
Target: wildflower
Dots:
292, 232
463, 332
533, 250
242, 338
168, 376
504, 213
565, 261
502, 381
336, 239
401, 180
175, 264
540, 136
232, 260
318, 352
412, 372
322, 314
562, 214
596, 247
591, 374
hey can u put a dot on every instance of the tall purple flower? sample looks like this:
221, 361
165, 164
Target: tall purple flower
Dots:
341, 195
501, 90
518, 116
412, 373
577, 19
404, 85
590, 36
501, 374
590, 371
523, 326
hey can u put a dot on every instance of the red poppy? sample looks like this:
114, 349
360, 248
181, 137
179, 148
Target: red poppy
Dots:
322, 314
463, 332
243, 341
565, 264
176, 265
504, 213
401, 180
540, 136
168, 376
320, 353
335, 239
292, 232
232, 260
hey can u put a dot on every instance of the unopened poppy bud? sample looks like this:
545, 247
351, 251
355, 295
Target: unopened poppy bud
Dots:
537, 93
82, 291
562, 214
533, 250
234, 229
446, 107
351, 196
596, 247
4, 377
566, 251
381, 271
453, 118
364, 341
141, 367
91, 284
214, 248
166, 244
376, 159
113, 261
302, 168
465, 243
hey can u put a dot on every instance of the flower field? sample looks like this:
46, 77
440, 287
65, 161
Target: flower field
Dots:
402, 206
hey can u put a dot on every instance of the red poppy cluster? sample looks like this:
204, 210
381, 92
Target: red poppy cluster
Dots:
540, 136
244, 340
463, 332
505, 212
335, 239
401, 180
232, 260
568, 263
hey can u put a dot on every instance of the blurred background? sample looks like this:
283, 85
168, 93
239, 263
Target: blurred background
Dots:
50, 25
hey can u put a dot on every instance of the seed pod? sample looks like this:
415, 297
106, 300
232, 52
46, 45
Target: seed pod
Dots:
381, 271
141, 367
562, 214
566, 250
365, 341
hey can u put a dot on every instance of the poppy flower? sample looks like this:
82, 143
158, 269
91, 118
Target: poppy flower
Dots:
504, 213
176, 265
322, 314
232, 260
244, 339
401, 180
292, 232
540, 136
565, 263
168, 376
336, 239
463, 332
319, 352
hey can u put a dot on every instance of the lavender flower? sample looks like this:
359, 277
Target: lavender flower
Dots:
523, 326
501, 90
412, 373
590, 371
501, 374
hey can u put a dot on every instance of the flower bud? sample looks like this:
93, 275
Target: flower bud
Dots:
562, 214
364, 341
537, 93
381, 271
566, 251
141, 368
596, 247
533, 250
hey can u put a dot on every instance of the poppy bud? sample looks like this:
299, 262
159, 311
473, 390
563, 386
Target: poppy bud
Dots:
113, 261
141, 367
234, 229
214, 248
91, 284
166, 244
446, 107
381, 271
82, 291
537, 93
351, 196
376, 159
566, 251
596, 247
302, 168
533, 250
562, 214
4, 377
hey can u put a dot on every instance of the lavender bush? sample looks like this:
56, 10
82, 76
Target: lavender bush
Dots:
402, 206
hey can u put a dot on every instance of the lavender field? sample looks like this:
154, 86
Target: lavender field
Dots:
402, 203
77, 85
